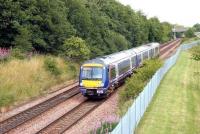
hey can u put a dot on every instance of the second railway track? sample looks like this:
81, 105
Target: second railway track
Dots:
18, 119
70, 118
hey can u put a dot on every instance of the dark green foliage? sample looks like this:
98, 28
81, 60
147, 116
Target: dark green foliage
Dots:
106, 26
50, 65
140, 78
155, 30
166, 32
17, 53
73, 70
22, 40
190, 33
76, 48
197, 27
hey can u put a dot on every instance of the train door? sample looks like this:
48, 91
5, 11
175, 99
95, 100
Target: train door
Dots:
134, 62
139, 59
112, 76
112, 73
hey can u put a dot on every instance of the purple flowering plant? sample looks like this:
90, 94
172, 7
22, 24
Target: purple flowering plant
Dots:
4, 53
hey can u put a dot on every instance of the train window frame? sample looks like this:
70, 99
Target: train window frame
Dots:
139, 57
134, 61
124, 66
152, 52
145, 54
156, 50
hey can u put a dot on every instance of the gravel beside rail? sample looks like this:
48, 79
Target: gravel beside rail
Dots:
106, 112
70, 118
18, 109
43, 120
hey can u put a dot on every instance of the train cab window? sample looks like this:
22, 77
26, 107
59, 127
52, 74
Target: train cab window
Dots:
92, 73
124, 66
112, 73
133, 60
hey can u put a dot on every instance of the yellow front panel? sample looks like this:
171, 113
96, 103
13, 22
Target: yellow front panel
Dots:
91, 83
92, 65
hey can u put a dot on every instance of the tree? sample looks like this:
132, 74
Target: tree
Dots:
189, 33
76, 49
155, 30
197, 27
23, 39
106, 26
166, 31
8, 13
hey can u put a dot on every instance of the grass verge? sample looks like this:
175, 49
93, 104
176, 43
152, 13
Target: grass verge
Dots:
189, 40
175, 108
21, 80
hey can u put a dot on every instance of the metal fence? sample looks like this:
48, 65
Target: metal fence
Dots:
129, 122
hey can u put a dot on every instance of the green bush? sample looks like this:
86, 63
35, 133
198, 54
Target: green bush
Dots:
50, 65
18, 54
139, 79
73, 70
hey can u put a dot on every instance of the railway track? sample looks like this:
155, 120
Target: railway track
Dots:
19, 119
68, 119
166, 50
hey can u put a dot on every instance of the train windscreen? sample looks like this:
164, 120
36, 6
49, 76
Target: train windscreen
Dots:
92, 73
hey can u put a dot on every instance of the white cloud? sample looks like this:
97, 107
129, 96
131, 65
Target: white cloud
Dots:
184, 12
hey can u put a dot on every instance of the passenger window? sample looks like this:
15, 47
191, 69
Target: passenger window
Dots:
124, 66
145, 55
139, 58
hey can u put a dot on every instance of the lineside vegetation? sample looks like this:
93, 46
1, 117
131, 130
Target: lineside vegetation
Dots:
136, 83
21, 80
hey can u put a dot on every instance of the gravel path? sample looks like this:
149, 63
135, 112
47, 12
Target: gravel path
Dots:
105, 112
33, 126
6, 115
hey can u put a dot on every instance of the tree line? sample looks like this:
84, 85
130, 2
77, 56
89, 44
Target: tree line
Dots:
191, 31
91, 27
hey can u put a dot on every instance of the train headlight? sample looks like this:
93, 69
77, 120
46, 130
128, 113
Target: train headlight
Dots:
102, 84
81, 84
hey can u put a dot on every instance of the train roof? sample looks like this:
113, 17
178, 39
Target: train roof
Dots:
109, 59
145, 47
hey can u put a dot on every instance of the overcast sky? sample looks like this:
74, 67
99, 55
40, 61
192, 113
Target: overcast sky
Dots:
184, 12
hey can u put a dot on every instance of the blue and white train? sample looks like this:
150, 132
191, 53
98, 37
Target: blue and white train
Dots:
98, 77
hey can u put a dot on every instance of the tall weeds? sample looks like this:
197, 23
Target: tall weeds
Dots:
21, 80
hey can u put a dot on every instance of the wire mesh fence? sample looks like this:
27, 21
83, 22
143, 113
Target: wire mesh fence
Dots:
131, 119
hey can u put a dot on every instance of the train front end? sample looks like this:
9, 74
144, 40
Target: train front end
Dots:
93, 80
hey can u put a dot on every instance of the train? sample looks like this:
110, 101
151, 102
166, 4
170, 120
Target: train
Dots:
100, 76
